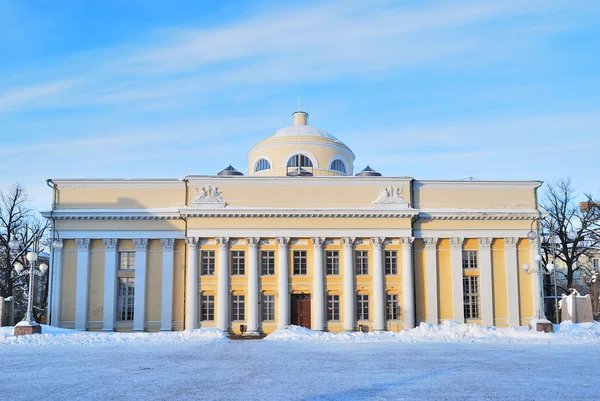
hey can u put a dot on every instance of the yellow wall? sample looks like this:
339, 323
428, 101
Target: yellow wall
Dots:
96, 283
444, 280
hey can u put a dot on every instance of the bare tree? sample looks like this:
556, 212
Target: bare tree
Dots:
568, 230
19, 222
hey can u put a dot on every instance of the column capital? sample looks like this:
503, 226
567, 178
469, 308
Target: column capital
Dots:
223, 242
378, 242
141, 244
430, 243
407, 242
283, 242
510, 242
192, 242
318, 242
110, 244
253, 242
168, 244
485, 243
348, 242
456, 242
83, 244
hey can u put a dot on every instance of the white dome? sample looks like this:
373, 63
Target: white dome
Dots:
303, 130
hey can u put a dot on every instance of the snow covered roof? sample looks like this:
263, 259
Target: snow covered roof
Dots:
303, 130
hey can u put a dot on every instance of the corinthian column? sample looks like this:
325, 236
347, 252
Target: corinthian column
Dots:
139, 296
191, 285
408, 283
223, 285
166, 313
457, 279
110, 283
252, 286
283, 297
56, 285
82, 283
378, 293
318, 306
512, 281
348, 273
431, 279
486, 289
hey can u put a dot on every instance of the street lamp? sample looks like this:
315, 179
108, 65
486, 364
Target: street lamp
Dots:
28, 325
532, 235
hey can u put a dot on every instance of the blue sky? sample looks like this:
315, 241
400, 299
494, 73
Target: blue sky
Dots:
430, 89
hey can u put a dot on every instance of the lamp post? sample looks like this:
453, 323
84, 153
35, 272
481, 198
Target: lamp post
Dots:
28, 325
532, 235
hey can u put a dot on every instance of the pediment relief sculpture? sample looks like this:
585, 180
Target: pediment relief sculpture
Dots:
391, 197
209, 196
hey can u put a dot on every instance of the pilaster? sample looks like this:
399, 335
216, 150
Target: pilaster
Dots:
166, 312
110, 283
283, 296
378, 288
408, 283
486, 289
252, 322
512, 281
456, 244
191, 284
318, 304
431, 279
223, 284
82, 280
139, 298
348, 274
56, 285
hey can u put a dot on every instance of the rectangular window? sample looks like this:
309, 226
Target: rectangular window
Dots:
238, 265
268, 307
596, 263
469, 260
362, 262
207, 311
392, 307
299, 262
237, 307
362, 307
471, 296
332, 262
333, 307
267, 262
391, 262
125, 298
207, 263
127, 260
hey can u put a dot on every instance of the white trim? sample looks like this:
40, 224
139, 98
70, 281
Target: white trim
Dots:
486, 286
306, 153
474, 214
343, 160
119, 183
300, 213
472, 233
298, 232
114, 214
314, 181
101, 234
431, 283
476, 185
259, 158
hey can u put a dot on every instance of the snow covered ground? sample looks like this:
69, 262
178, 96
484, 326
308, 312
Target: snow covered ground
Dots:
446, 362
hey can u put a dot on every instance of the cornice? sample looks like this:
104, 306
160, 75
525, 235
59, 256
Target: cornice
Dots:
299, 213
478, 214
119, 183
118, 214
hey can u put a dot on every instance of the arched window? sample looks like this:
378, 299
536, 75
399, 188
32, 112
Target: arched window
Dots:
304, 161
338, 165
262, 164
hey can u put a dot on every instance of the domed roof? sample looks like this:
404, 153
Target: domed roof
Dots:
229, 171
303, 130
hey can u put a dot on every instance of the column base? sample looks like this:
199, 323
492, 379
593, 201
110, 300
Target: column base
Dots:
108, 330
27, 328
166, 329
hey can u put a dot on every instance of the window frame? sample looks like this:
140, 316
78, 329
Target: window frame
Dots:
206, 305
390, 261
292, 161
260, 166
470, 259
362, 307
340, 163
238, 307
333, 307
332, 263
392, 306
471, 297
301, 255
125, 302
268, 307
268, 257
207, 256
238, 262
129, 261
361, 262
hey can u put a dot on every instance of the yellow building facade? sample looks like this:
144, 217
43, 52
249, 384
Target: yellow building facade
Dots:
299, 240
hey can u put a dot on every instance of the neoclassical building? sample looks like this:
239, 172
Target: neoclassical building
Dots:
301, 239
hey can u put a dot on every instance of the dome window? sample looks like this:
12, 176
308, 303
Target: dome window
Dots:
262, 164
338, 165
304, 161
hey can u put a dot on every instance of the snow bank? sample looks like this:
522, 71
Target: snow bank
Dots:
57, 336
449, 332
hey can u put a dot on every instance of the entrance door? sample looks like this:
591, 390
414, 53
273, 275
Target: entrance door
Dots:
301, 310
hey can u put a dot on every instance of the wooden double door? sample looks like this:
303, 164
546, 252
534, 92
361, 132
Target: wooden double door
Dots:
300, 308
